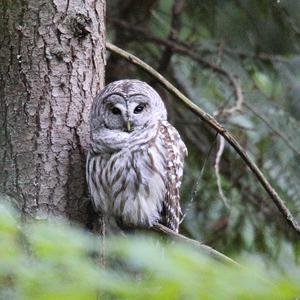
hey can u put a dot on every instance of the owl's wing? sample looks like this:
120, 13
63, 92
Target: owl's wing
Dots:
175, 152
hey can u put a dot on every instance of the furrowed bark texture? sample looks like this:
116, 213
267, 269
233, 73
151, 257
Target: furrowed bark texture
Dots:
50, 70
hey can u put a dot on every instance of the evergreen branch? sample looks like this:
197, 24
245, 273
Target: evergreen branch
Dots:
274, 130
207, 118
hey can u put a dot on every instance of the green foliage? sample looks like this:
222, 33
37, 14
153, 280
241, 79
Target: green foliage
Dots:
45, 260
52, 260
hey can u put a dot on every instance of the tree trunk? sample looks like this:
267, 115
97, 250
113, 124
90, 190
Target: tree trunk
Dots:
51, 66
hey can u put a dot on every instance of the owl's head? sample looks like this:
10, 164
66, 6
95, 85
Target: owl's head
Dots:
127, 105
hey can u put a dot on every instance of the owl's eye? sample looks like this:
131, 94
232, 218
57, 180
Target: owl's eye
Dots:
115, 111
139, 109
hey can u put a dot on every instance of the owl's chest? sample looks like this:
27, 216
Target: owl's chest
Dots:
131, 170
134, 182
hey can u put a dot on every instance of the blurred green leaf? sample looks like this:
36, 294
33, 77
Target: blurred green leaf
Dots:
52, 260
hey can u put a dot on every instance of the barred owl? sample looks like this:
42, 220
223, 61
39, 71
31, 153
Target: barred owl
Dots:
135, 161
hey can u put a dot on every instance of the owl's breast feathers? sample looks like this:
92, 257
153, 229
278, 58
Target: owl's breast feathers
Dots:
140, 183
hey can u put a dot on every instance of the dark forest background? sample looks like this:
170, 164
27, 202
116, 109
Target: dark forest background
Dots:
257, 44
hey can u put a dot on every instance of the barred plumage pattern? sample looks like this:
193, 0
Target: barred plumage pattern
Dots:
134, 176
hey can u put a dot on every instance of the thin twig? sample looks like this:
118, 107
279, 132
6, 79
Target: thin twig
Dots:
187, 51
207, 118
231, 51
197, 182
161, 228
237, 107
217, 170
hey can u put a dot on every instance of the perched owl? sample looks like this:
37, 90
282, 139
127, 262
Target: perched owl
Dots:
135, 161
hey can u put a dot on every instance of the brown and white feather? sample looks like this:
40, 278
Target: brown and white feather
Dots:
175, 152
135, 176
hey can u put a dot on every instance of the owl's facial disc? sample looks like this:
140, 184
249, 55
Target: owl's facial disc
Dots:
127, 113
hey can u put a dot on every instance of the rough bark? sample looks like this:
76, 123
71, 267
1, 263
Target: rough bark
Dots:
51, 66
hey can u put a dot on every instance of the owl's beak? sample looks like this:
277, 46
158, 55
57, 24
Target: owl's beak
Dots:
129, 126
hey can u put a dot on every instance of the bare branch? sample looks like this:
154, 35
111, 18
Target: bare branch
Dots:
237, 107
187, 51
207, 118
217, 170
211, 251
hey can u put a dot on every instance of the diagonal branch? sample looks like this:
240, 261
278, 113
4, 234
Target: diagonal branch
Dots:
207, 118
211, 251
